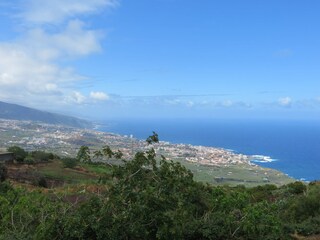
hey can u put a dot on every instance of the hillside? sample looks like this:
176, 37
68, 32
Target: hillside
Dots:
53, 199
18, 112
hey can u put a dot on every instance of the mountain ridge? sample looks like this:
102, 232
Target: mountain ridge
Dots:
18, 112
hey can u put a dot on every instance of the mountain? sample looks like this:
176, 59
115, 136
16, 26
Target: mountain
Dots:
18, 112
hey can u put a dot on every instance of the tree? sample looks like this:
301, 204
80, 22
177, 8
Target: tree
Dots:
154, 138
84, 154
69, 162
118, 154
29, 159
42, 156
107, 151
97, 155
19, 153
154, 200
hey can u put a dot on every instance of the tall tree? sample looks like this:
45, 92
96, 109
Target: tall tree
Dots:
84, 154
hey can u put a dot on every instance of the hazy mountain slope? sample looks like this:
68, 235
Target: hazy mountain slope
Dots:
17, 112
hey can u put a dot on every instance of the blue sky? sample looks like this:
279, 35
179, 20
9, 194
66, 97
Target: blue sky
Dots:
103, 59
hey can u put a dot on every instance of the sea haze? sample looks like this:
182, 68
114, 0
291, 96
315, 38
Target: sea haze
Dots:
294, 145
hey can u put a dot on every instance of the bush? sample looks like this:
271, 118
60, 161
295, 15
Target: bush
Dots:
5, 187
42, 182
297, 187
69, 162
3, 172
19, 153
262, 193
29, 160
42, 156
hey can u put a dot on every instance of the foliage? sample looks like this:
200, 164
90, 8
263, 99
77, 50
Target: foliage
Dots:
152, 198
69, 162
107, 152
5, 187
83, 154
154, 138
97, 168
262, 193
118, 154
3, 172
40, 156
296, 188
42, 182
29, 159
97, 155
154, 201
25, 215
19, 153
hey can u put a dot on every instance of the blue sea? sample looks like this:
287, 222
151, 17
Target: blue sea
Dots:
292, 146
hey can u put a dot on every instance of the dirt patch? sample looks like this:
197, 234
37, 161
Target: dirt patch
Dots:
48, 174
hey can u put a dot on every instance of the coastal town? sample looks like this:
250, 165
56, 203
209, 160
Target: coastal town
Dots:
215, 163
66, 141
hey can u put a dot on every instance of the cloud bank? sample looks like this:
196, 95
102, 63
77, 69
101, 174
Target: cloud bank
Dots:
34, 66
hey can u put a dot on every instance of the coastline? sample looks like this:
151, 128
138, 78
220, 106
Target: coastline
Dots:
293, 144
207, 163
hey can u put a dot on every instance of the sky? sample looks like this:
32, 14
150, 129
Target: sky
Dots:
102, 59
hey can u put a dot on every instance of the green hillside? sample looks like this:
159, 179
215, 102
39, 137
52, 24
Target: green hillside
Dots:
145, 198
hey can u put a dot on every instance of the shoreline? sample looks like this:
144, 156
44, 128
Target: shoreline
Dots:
207, 163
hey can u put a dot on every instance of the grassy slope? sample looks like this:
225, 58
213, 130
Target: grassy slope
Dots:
56, 175
233, 175
90, 173
55, 170
237, 174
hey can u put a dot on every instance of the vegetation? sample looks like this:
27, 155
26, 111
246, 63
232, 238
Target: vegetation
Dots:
3, 172
23, 156
40, 156
19, 153
146, 198
69, 162
84, 154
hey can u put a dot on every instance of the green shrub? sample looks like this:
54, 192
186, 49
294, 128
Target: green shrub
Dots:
3, 172
297, 187
5, 187
42, 182
42, 156
69, 162
19, 153
29, 160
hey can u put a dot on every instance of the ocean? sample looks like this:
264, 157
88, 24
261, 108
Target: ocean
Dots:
292, 147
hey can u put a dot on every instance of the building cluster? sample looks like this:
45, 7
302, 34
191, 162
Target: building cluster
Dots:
66, 141
202, 155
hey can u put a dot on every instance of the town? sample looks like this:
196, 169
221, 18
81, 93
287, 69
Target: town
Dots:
66, 141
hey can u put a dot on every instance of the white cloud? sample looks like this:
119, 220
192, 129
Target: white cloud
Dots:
76, 97
22, 71
285, 102
57, 11
190, 104
227, 103
72, 41
100, 96
31, 70
170, 101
